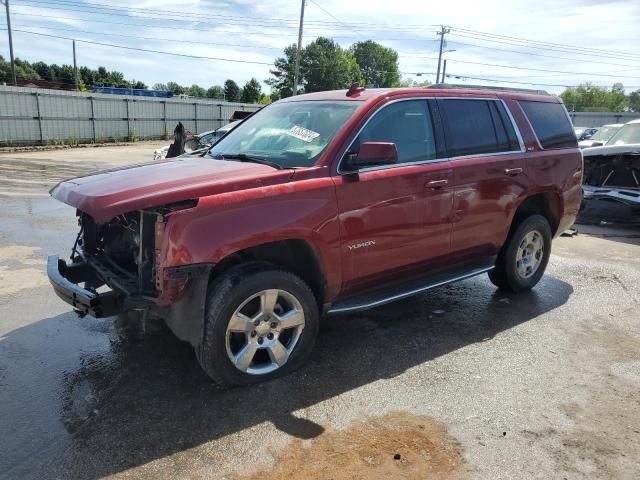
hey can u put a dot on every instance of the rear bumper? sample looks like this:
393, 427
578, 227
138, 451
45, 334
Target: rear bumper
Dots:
65, 278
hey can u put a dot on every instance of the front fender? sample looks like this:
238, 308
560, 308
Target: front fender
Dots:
224, 224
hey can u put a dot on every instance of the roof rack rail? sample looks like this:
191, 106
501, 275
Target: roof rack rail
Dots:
488, 87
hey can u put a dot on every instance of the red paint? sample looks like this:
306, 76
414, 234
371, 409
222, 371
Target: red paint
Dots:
415, 226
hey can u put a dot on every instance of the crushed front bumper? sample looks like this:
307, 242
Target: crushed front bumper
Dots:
65, 278
610, 204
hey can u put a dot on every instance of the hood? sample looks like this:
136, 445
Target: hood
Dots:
612, 149
109, 193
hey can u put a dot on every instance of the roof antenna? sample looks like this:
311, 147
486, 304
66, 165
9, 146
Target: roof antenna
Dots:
354, 89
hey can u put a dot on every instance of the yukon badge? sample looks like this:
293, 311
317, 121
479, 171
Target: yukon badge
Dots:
368, 243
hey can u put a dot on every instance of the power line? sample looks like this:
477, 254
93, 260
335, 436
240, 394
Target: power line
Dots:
163, 52
550, 44
519, 43
335, 18
217, 16
123, 11
520, 52
463, 76
537, 69
183, 16
180, 40
170, 27
148, 50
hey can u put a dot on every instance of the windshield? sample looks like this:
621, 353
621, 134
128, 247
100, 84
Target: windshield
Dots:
630, 133
604, 133
290, 134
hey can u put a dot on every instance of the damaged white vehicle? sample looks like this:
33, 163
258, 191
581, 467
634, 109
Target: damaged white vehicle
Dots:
611, 181
199, 141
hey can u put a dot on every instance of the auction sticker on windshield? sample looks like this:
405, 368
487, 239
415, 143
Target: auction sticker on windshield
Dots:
303, 134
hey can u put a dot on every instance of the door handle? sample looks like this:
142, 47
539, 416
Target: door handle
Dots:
512, 172
436, 183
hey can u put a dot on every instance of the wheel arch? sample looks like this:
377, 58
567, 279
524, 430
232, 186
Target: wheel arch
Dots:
294, 255
547, 204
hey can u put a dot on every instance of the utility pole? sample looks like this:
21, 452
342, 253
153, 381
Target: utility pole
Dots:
75, 67
444, 71
13, 64
296, 74
443, 31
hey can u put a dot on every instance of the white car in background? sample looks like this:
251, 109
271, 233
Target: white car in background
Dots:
198, 141
602, 136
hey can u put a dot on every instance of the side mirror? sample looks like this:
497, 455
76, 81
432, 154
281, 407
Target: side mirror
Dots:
372, 154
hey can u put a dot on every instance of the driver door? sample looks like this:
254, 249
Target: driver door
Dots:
394, 219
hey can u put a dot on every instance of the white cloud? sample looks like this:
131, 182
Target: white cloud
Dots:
408, 26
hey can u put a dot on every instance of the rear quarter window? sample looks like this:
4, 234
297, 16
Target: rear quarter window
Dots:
474, 127
550, 124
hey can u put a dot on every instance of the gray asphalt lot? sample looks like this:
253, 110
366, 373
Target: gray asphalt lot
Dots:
460, 382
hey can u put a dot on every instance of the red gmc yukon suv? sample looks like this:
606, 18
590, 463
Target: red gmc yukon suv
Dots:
321, 204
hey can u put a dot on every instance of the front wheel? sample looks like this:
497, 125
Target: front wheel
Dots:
524, 256
260, 323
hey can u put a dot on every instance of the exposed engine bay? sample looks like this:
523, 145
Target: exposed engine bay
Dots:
122, 251
611, 186
616, 170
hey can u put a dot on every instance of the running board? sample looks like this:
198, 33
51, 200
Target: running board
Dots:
375, 299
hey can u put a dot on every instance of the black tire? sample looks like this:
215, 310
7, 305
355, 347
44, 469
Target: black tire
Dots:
505, 274
225, 294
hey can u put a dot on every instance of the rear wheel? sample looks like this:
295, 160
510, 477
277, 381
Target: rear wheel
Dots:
260, 323
524, 256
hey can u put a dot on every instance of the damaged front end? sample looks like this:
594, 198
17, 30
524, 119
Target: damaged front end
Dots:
611, 185
114, 261
115, 266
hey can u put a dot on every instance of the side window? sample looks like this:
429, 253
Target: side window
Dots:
408, 124
551, 124
474, 127
504, 127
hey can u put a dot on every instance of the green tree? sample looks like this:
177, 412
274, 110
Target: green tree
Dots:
327, 66
24, 70
216, 92
410, 82
44, 71
196, 91
634, 101
138, 84
379, 64
589, 98
251, 91
231, 91
160, 86
283, 73
175, 88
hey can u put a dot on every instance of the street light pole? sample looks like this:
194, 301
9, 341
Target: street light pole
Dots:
13, 64
444, 71
296, 74
443, 31
75, 67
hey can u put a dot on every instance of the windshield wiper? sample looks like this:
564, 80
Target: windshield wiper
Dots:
243, 157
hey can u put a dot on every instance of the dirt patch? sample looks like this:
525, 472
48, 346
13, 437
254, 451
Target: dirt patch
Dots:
396, 446
13, 280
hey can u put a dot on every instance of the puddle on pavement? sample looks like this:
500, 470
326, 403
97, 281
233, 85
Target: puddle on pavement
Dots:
396, 446
37, 175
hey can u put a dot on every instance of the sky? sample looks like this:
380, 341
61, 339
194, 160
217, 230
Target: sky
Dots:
577, 40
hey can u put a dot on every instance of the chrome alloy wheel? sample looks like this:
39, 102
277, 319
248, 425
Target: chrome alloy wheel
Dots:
263, 331
530, 253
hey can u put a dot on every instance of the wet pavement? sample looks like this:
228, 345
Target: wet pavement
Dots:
460, 382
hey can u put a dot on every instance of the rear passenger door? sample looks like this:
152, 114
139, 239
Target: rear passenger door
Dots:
487, 157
